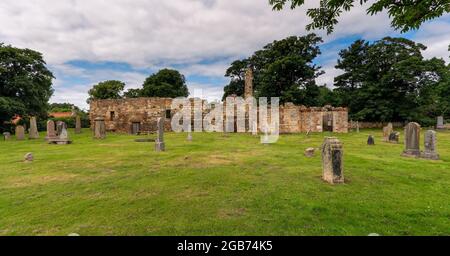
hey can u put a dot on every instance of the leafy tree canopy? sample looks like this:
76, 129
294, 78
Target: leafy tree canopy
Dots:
166, 83
389, 80
111, 89
405, 14
282, 69
25, 84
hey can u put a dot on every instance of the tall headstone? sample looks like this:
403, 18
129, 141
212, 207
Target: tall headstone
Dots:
51, 132
371, 140
430, 146
412, 140
357, 126
159, 143
34, 134
387, 130
99, 128
189, 137
248, 83
332, 160
440, 122
77, 125
20, 132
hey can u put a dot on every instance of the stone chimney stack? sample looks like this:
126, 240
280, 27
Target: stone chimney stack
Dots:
248, 83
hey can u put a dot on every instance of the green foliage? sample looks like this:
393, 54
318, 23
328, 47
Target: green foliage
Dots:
25, 84
63, 107
282, 69
133, 93
110, 89
167, 83
389, 80
406, 14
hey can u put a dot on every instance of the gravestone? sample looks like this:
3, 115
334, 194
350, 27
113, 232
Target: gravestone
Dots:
189, 137
29, 157
51, 132
62, 138
99, 128
387, 130
309, 152
20, 132
371, 140
394, 137
357, 126
59, 127
34, 134
430, 146
159, 143
412, 140
77, 125
332, 160
440, 122
6, 136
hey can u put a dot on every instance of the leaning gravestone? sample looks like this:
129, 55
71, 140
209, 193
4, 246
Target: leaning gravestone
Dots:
159, 143
440, 122
309, 152
412, 140
51, 132
6, 136
99, 128
20, 132
59, 127
77, 125
34, 134
371, 140
332, 160
394, 137
29, 157
430, 146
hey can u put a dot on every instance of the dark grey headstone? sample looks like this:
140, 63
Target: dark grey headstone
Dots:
412, 140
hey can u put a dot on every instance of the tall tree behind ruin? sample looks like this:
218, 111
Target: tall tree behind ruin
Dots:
282, 69
388, 80
167, 83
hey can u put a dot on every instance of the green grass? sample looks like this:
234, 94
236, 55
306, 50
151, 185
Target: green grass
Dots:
220, 185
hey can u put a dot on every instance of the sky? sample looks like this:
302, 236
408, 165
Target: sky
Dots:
86, 42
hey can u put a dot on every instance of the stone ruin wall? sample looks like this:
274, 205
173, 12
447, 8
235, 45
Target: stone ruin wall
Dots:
145, 111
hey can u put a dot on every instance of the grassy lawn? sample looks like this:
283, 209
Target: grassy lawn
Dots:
218, 185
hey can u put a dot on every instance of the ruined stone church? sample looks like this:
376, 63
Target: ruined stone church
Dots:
140, 115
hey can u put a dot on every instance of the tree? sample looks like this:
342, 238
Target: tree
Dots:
282, 69
25, 84
132, 93
63, 107
110, 89
166, 83
237, 74
389, 80
406, 14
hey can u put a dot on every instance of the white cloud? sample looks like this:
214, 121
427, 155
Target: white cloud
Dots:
148, 34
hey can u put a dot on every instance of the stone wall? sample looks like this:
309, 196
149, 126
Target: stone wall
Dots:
374, 125
121, 114
127, 115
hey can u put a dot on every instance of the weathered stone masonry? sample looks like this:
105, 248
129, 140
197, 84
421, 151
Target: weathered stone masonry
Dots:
141, 114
